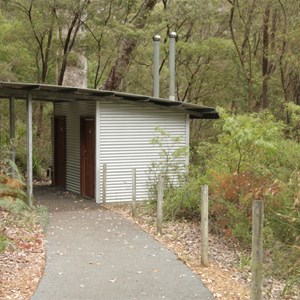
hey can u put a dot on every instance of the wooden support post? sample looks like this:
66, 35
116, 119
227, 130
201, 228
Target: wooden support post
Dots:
204, 225
133, 193
257, 249
104, 183
12, 134
160, 199
29, 148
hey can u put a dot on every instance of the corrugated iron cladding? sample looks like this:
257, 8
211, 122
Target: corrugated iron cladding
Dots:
126, 132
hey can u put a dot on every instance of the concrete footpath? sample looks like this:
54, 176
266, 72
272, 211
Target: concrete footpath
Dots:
93, 253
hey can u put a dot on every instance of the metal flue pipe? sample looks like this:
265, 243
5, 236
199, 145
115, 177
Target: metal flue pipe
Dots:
156, 48
172, 36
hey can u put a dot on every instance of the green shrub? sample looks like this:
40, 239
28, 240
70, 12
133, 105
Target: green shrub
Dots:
231, 220
184, 201
42, 215
252, 160
4, 242
171, 163
285, 264
13, 205
38, 164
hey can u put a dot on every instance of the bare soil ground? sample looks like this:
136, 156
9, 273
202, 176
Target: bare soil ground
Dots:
22, 263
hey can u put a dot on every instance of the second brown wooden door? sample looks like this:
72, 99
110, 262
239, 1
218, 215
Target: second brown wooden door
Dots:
87, 149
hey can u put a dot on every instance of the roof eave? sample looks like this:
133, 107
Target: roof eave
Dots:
55, 93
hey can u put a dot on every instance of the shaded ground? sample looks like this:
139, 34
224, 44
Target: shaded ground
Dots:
93, 253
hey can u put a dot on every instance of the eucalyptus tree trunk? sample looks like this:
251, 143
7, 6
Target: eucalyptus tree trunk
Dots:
127, 46
268, 43
242, 37
73, 75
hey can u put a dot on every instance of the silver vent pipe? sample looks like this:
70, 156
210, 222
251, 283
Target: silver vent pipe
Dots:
172, 36
156, 46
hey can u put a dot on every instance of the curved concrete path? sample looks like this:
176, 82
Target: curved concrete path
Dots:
93, 253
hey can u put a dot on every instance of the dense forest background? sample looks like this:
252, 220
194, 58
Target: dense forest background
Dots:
241, 56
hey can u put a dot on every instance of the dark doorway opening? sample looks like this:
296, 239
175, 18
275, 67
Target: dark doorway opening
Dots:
59, 180
87, 156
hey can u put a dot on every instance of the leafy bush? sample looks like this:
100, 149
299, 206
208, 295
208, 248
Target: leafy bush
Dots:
231, 220
246, 143
253, 159
41, 156
4, 242
14, 208
13, 205
184, 201
38, 163
11, 182
170, 164
285, 264
293, 129
41, 216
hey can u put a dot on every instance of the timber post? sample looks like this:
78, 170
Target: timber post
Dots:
160, 198
257, 249
204, 225
104, 183
12, 135
133, 207
29, 148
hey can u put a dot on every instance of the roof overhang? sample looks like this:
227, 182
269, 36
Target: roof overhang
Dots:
56, 93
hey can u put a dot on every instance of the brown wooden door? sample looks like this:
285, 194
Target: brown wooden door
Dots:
87, 150
60, 152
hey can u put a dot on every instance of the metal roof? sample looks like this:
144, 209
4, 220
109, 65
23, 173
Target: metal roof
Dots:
56, 93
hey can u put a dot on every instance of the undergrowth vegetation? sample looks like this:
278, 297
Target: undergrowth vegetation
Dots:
15, 211
255, 157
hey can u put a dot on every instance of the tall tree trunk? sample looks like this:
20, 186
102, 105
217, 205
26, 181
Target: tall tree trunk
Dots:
268, 65
244, 47
265, 59
71, 34
127, 46
45, 66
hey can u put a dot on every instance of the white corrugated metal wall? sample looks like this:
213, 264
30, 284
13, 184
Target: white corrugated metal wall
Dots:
125, 135
124, 132
73, 112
